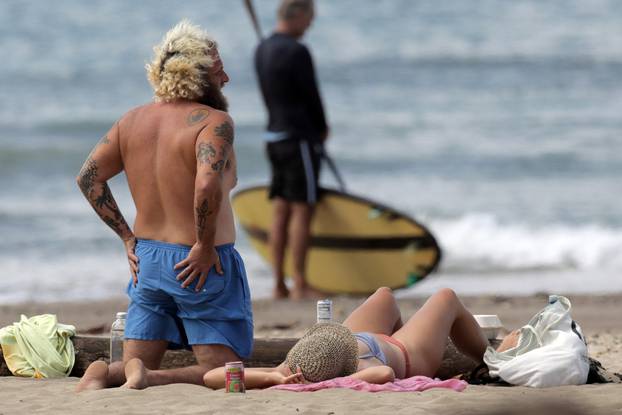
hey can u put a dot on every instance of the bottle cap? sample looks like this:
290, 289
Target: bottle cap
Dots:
121, 314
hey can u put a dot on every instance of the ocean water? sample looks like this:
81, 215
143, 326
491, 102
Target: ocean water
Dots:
497, 124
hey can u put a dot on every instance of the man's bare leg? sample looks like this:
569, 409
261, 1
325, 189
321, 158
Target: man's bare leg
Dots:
277, 242
208, 357
299, 235
100, 375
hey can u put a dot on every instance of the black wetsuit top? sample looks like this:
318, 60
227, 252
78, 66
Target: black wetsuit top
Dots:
289, 88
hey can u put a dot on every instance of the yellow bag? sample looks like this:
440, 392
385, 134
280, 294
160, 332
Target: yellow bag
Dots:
38, 347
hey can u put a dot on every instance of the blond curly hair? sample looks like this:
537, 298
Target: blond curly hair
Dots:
179, 66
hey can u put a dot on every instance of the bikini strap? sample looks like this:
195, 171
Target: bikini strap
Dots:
399, 344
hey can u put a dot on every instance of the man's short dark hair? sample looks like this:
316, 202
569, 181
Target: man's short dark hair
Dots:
290, 9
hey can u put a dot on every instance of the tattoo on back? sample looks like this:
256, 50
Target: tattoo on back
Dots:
196, 116
225, 131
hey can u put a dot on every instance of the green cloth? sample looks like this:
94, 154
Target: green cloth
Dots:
38, 347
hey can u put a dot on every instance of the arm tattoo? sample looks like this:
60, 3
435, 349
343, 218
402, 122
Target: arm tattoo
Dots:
217, 167
225, 131
202, 212
88, 173
205, 153
104, 205
196, 116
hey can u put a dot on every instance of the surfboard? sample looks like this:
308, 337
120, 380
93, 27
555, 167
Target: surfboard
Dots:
356, 246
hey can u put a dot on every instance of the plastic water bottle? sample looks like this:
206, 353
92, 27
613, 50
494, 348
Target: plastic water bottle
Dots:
117, 334
324, 311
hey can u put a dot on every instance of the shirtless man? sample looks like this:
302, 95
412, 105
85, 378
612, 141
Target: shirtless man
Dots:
188, 285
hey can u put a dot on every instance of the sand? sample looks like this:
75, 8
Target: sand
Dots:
598, 316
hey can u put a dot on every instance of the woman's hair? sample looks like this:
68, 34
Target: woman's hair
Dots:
179, 66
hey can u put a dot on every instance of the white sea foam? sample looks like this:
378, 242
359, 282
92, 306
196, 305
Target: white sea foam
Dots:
480, 242
481, 255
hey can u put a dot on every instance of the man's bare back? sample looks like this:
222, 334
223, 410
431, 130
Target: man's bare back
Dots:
158, 148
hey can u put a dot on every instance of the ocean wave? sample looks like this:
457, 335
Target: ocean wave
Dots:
480, 242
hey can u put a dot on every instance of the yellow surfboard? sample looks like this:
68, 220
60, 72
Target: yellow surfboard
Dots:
356, 246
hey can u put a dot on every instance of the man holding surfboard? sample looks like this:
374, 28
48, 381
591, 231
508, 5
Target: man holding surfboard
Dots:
295, 135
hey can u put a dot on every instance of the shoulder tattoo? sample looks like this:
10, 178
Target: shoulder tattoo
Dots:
196, 116
225, 131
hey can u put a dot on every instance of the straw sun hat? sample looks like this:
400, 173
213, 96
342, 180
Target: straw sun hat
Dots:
326, 351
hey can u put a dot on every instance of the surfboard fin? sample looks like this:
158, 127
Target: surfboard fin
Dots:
412, 279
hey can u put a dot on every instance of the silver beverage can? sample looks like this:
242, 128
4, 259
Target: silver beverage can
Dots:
324, 311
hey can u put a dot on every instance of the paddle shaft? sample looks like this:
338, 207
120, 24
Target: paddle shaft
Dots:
251, 12
333, 168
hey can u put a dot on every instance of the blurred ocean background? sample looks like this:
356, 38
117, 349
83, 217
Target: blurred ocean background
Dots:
496, 123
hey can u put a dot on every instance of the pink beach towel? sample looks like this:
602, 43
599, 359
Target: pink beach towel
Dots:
413, 384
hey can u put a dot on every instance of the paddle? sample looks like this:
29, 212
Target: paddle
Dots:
333, 168
251, 12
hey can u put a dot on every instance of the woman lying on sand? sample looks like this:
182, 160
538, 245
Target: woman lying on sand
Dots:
373, 345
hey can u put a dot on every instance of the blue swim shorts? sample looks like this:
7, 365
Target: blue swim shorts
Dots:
160, 309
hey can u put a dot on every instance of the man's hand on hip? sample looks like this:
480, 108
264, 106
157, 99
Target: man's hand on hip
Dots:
198, 264
132, 259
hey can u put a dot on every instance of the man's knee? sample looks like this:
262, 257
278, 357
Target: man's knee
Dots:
214, 355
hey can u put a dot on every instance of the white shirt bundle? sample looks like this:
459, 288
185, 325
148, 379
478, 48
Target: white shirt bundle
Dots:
551, 351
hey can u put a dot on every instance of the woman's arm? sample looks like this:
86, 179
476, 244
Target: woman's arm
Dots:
375, 374
254, 378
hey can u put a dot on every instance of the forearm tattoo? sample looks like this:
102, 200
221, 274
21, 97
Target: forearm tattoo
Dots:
100, 196
202, 212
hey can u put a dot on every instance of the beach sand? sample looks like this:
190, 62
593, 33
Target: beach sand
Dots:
597, 315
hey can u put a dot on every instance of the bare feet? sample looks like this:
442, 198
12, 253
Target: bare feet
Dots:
136, 375
95, 377
509, 341
280, 292
307, 292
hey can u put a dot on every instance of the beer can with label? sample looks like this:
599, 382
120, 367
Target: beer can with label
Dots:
324, 311
234, 377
